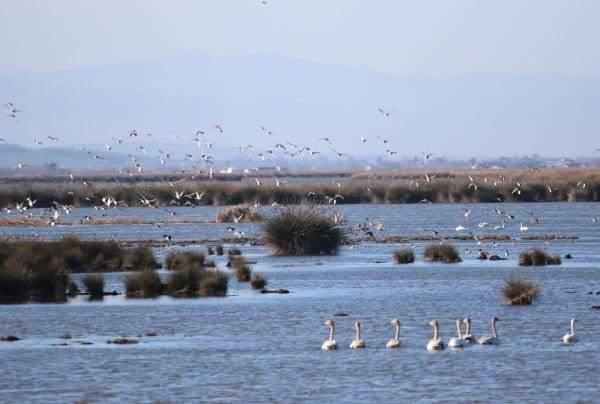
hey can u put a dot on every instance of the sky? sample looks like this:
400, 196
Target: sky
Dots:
392, 38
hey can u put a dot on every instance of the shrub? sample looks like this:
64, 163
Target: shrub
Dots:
94, 283
242, 213
140, 259
404, 256
304, 230
243, 272
442, 252
258, 281
219, 249
214, 283
176, 260
145, 283
520, 292
538, 257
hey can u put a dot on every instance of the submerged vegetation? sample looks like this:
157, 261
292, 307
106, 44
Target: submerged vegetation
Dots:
520, 292
443, 253
404, 256
538, 257
303, 230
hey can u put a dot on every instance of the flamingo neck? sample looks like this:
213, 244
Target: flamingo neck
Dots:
397, 332
468, 327
358, 333
331, 333
435, 332
494, 333
458, 330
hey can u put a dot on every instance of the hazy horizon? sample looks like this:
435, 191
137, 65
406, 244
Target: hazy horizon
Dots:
467, 79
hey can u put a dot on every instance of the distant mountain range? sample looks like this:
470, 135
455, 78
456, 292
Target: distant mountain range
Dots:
479, 115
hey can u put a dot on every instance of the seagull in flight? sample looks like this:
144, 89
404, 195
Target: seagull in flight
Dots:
385, 113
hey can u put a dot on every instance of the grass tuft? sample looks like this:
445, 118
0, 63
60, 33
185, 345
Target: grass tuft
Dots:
304, 230
443, 253
258, 281
145, 284
242, 213
520, 292
404, 256
94, 283
538, 257
243, 272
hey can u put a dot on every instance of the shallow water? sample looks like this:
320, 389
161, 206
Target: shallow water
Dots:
252, 347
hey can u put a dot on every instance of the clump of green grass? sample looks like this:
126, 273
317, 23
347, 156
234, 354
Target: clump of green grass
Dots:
305, 230
219, 249
242, 213
520, 292
94, 284
145, 283
214, 283
443, 253
404, 256
176, 260
243, 272
258, 281
538, 257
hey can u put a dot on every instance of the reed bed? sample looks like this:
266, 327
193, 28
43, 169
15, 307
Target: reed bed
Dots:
446, 187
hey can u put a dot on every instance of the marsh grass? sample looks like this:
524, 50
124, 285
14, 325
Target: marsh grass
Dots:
234, 251
303, 230
404, 256
14, 284
94, 284
219, 249
519, 291
177, 260
242, 270
214, 283
258, 281
442, 253
140, 258
392, 187
144, 284
243, 213
538, 257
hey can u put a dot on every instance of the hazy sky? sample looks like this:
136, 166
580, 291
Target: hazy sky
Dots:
394, 36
